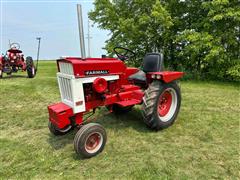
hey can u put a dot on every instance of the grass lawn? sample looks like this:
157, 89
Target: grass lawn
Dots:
203, 143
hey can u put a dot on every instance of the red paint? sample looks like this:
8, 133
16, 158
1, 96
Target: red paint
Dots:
165, 102
100, 85
92, 141
131, 70
129, 87
138, 94
130, 97
78, 118
129, 102
59, 114
80, 66
167, 76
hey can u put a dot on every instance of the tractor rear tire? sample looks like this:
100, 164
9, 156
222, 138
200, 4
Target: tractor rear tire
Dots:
31, 71
161, 104
57, 132
90, 140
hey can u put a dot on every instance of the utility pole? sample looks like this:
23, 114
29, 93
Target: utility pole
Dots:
39, 42
88, 38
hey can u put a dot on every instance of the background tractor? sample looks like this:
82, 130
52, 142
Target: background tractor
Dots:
88, 83
14, 60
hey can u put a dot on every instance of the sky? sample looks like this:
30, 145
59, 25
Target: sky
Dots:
55, 21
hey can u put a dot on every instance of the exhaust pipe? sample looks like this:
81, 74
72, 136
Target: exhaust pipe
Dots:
81, 33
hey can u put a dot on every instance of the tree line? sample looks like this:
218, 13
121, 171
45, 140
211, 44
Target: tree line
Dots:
200, 37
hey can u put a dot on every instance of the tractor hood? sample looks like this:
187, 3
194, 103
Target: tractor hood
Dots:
90, 66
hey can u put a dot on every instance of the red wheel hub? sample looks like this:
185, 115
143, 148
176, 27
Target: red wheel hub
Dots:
164, 103
93, 141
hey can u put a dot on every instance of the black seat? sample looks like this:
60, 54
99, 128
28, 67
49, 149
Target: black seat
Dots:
152, 62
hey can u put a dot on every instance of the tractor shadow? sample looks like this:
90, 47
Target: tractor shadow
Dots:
14, 77
132, 119
60, 141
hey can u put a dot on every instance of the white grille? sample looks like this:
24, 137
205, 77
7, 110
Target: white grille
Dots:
65, 88
71, 90
66, 68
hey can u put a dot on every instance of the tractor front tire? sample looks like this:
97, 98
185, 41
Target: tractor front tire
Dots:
161, 104
57, 132
31, 71
90, 140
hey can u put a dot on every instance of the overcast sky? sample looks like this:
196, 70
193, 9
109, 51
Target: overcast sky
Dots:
54, 21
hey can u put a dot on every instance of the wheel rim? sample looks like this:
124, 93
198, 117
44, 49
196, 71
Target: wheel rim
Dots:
167, 104
93, 142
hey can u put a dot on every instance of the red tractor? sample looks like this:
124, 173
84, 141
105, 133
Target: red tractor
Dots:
14, 60
86, 84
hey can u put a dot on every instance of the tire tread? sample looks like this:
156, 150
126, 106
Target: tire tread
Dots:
150, 101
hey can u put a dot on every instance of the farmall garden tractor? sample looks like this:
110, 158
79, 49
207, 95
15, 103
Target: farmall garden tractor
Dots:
86, 84
13, 61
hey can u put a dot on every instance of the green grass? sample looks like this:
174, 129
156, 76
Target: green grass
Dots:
203, 143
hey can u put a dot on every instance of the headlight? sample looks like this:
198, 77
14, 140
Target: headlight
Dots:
153, 76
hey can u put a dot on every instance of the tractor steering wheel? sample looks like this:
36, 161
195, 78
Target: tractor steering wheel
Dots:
124, 53
14, 46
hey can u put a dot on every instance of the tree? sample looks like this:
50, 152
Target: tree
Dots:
213, 38
136, 24
201, 37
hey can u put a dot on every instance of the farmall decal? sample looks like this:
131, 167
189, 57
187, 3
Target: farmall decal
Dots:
94, 72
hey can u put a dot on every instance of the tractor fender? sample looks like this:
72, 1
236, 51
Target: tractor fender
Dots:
165, 76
